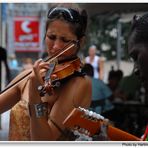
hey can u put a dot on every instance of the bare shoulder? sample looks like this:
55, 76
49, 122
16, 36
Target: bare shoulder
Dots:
80, 91
83, 82
84, 91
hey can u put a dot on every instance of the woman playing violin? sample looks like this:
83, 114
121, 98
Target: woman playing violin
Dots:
36, 114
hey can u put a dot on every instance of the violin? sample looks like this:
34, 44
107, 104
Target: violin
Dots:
57, 73
66, 69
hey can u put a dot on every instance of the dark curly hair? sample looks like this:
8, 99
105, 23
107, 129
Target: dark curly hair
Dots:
139, 30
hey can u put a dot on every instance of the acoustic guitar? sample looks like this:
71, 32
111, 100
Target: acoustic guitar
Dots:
88, 123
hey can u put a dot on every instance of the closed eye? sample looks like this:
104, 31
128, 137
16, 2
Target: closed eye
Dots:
65, 40
51, 37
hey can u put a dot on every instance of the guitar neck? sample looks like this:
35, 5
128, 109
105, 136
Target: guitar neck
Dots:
116, 134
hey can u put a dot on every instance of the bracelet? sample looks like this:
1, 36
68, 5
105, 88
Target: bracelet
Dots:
38, 110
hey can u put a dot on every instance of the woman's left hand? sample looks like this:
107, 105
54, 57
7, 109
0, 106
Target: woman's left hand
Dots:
39, 70
36, 79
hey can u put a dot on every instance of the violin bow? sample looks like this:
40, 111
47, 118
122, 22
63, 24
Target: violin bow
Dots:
66, 48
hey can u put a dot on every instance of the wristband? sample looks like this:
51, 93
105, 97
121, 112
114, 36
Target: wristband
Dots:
38, 110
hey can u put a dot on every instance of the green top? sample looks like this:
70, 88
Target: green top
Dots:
130, 85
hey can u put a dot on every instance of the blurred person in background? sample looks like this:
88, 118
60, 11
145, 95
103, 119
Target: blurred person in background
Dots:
3, 59
95, 61
114, 78
101, 93
13, 64
128, 89
27, 64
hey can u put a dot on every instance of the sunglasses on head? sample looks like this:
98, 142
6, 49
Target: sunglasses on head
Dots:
68, 14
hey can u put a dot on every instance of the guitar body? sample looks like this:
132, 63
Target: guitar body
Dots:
89, 123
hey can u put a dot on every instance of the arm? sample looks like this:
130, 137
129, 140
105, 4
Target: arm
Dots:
41, 129
9, 99
11, 96
101, 68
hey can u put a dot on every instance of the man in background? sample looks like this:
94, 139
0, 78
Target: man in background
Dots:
3, 59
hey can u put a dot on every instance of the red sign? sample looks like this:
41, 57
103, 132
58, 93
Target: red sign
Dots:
26, 33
